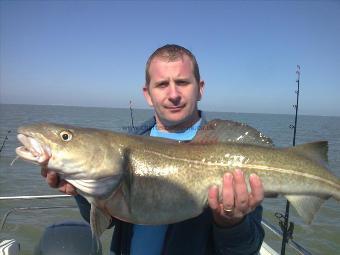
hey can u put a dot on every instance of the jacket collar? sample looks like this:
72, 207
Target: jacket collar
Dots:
145, 127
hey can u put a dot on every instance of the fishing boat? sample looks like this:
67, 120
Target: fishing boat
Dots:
60, 238
74, 237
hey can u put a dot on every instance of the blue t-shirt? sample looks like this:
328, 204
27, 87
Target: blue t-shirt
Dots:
148, 240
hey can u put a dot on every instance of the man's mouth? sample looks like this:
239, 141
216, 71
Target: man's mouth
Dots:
175, 108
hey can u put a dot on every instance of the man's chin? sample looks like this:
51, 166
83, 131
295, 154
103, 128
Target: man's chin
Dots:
176, 120
171, 122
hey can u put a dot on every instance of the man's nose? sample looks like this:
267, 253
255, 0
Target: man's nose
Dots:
174, 95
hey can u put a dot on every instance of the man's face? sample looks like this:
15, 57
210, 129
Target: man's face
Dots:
173, 91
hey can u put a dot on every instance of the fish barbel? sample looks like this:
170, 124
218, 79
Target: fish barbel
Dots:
147, 180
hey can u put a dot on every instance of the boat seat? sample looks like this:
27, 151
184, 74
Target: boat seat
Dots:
68, 238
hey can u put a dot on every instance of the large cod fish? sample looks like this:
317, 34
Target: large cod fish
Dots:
147, 180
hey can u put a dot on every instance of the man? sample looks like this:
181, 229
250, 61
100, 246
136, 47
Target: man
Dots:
232, 223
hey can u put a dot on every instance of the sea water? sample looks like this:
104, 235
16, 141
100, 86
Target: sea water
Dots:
23, 178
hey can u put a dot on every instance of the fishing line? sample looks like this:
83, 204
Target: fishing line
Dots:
13, 161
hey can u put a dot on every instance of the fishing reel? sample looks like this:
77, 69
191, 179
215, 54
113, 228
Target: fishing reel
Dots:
287, 231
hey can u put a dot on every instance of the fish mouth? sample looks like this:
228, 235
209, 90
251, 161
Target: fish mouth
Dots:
32, 150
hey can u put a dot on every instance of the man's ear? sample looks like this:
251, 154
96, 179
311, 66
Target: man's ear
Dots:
200, 90
147, 95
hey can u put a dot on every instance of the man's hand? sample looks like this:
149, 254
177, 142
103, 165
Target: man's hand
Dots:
235, 202
53, 180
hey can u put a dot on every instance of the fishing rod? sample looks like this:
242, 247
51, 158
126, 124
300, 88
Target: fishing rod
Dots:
131, 115
4, 141
286, 226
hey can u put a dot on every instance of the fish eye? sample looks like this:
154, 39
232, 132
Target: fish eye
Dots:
66, 135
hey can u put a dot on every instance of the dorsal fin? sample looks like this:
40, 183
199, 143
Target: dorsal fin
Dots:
216, 131
315, 150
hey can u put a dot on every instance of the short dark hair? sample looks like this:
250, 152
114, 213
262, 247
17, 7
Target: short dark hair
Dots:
172, 52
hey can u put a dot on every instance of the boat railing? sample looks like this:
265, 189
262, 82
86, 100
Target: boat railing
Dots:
278, 232
34, 208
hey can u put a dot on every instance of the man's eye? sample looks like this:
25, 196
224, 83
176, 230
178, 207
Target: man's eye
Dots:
182, 83
162, 85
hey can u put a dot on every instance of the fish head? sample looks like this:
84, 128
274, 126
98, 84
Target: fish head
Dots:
75, 153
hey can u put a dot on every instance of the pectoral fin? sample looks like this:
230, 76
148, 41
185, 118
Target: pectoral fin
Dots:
99, 222
306, 206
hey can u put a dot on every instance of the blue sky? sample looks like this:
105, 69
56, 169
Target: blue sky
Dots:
93, 53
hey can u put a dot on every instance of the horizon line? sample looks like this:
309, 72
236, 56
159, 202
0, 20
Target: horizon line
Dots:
215, 111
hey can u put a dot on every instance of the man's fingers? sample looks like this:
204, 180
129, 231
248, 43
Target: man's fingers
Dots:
213, 198
70, 189
43, 171
67, 188
228, 195
236, 202
241, 192
52, 179
257, 193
